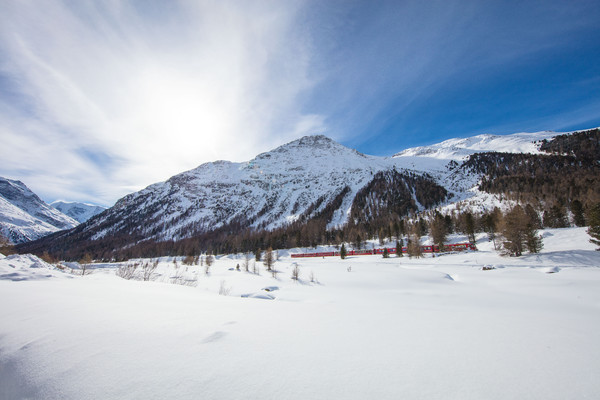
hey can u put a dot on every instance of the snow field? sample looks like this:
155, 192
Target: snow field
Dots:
385, 329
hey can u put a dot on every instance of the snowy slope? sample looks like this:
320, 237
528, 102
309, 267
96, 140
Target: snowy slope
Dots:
268, 191
366, 328
460, 149
80, 212
442, 160
24, 216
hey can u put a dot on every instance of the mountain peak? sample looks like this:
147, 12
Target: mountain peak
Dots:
313, 146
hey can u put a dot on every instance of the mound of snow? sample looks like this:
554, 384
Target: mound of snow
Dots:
27, 267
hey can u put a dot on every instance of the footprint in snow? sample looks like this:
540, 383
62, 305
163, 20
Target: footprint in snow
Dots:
216, 336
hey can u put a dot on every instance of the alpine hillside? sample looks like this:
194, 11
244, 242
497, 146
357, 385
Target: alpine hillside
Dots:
24, 216
313, 189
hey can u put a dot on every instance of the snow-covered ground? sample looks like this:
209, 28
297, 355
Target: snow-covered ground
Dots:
366, 328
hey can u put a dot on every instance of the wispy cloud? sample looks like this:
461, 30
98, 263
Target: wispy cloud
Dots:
118, 96
100, 98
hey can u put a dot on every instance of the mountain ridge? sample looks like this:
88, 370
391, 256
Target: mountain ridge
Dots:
24, 216
80, 212
301, 188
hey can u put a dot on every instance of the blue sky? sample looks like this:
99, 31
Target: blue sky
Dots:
101, 98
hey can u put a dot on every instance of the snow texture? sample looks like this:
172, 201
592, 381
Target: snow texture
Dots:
364, 327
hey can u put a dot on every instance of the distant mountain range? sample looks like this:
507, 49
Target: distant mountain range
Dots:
24, 216
310, 180
80, 212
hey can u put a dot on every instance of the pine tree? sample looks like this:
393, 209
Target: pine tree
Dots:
593, 218
533, 216
358, 243
343, 251
399, 248
533, 241
577, 210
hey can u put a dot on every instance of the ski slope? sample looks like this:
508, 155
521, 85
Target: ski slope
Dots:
365, 327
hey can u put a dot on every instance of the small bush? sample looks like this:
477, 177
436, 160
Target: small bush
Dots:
127, 271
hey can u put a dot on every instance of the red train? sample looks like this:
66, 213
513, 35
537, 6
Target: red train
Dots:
391, 250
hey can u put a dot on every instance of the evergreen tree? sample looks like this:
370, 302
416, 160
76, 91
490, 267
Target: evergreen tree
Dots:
469, 226
577, 210
358, 242
533, 216
449, 224
399, 248
533, 241
593, 218
555, 217
386, 253
343, 251
423, 229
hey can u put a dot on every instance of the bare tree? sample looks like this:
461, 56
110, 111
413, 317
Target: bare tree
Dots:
223, 289
437, 230
414, 243
295, 272
246, 262
127, 271
148, 269
6, 247
514, 231
269, 259
85, 263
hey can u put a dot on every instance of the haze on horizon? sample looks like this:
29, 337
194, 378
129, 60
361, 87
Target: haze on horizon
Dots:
102, 98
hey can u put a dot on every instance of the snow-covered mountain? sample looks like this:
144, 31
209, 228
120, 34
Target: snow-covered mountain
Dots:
80, 212
24, 216
461, 148
310, 178
273, 189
